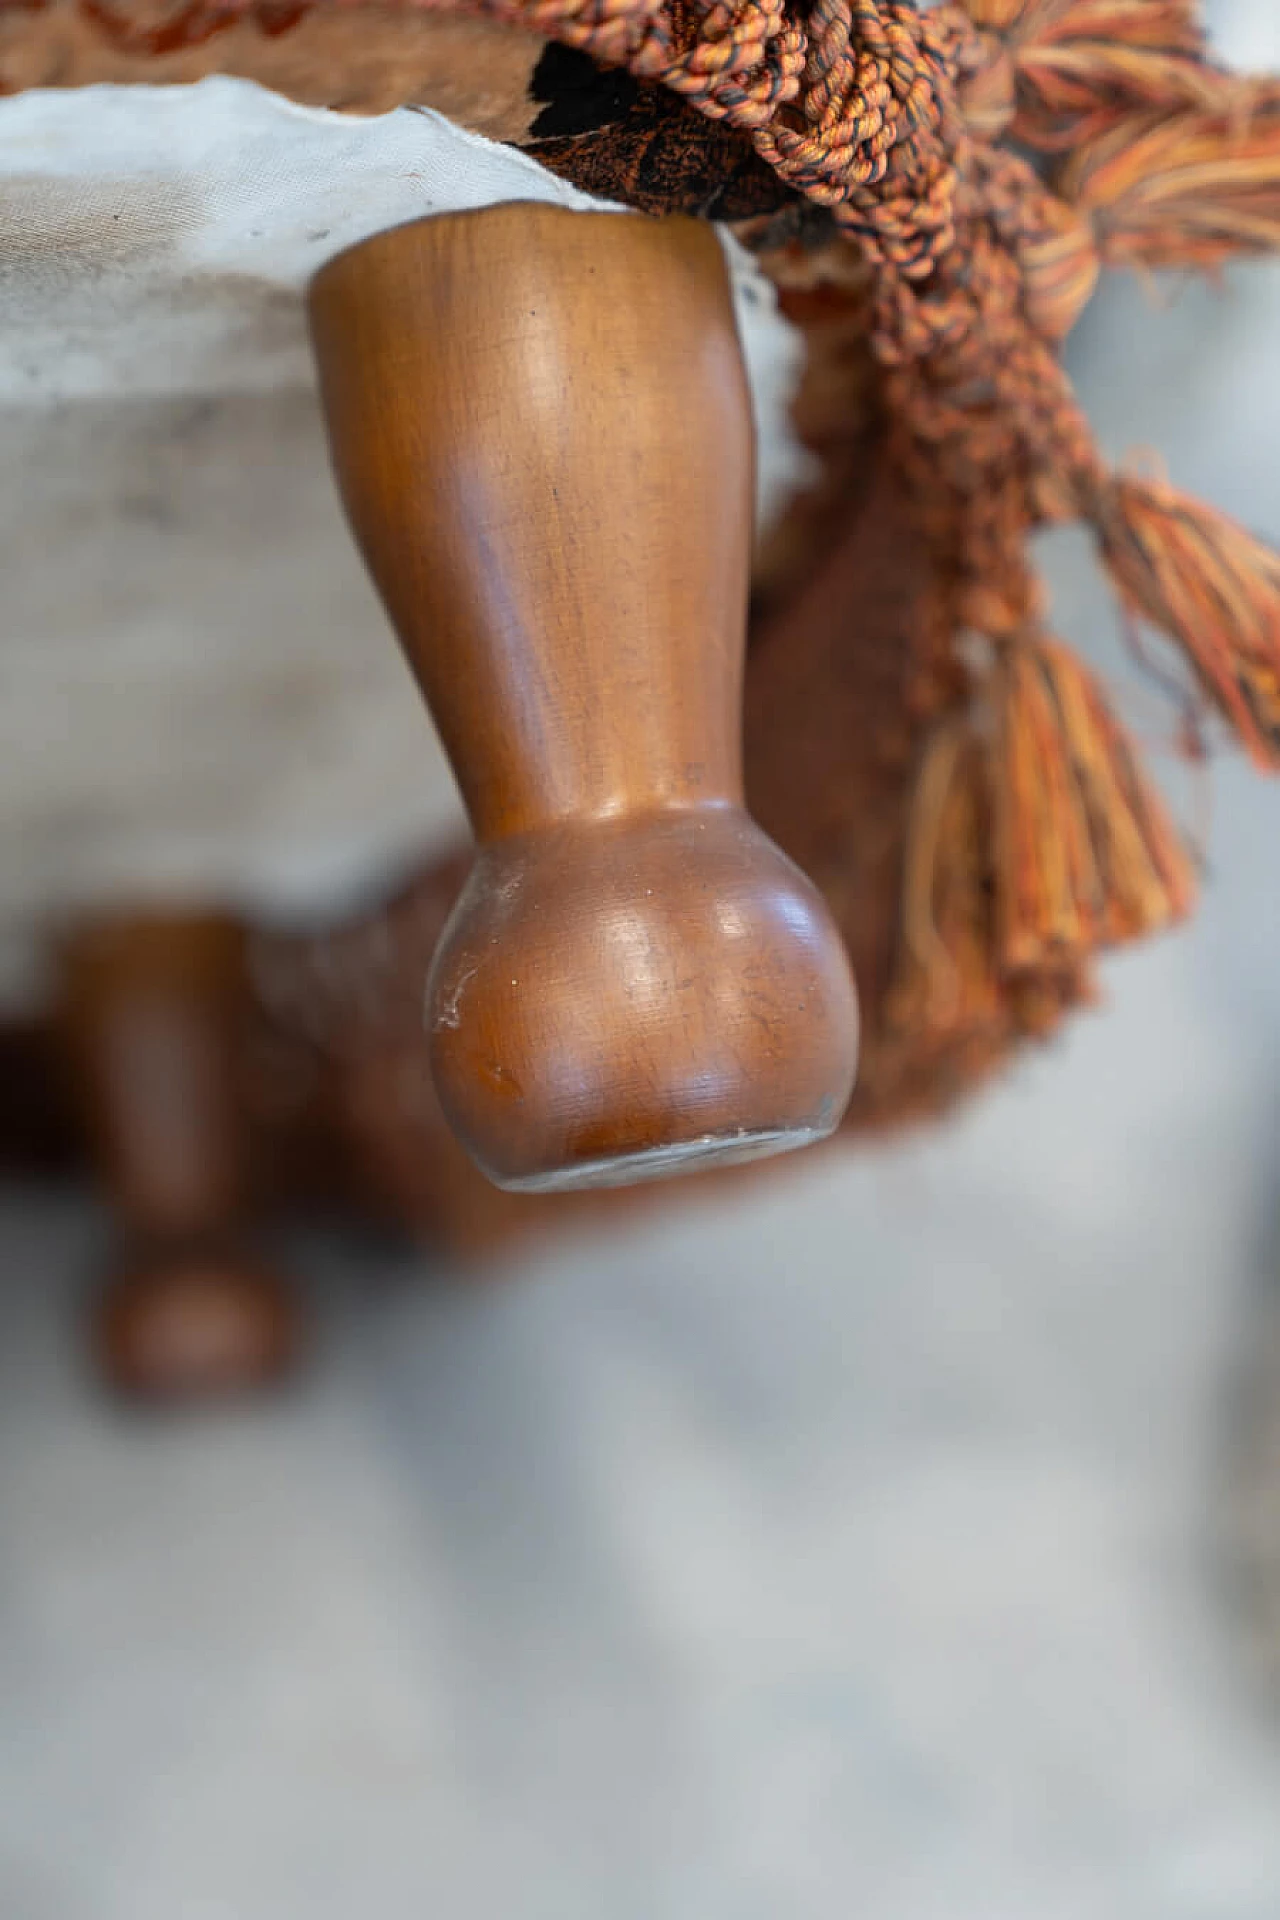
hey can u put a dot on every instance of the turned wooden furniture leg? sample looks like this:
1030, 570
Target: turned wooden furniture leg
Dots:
541, 429
152, 1010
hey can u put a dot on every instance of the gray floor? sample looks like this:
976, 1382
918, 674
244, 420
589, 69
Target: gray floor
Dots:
854, 1554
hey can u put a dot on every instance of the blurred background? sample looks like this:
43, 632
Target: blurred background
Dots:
887, 1539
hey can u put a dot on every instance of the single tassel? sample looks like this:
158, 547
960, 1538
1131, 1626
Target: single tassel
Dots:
944, 978
1170, 24
1034, 842
1086, 856
1013, 18
1078, 64
1188, 189
1157, 26
1207, 583
1148, 878
1081, 90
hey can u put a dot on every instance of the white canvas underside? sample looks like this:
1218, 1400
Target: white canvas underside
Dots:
199, 694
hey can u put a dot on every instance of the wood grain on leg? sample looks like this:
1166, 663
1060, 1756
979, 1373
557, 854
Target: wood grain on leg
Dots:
541, 428
152, 1009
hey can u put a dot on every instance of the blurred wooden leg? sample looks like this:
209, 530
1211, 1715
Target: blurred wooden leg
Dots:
153, 1010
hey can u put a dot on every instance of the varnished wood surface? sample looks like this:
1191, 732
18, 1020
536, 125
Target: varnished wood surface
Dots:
541, 429
153, 1014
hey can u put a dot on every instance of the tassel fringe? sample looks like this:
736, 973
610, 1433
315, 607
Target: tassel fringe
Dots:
1188, 189
1172, 25
1082, 90
1212, 587
1145, 880
1034, 841
1080, 64
1085, 853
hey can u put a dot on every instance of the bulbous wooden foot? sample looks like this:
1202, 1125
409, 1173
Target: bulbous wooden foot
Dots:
541, 428
153, 1011
637, 998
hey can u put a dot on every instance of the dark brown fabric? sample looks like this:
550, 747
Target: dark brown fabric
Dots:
627, 141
